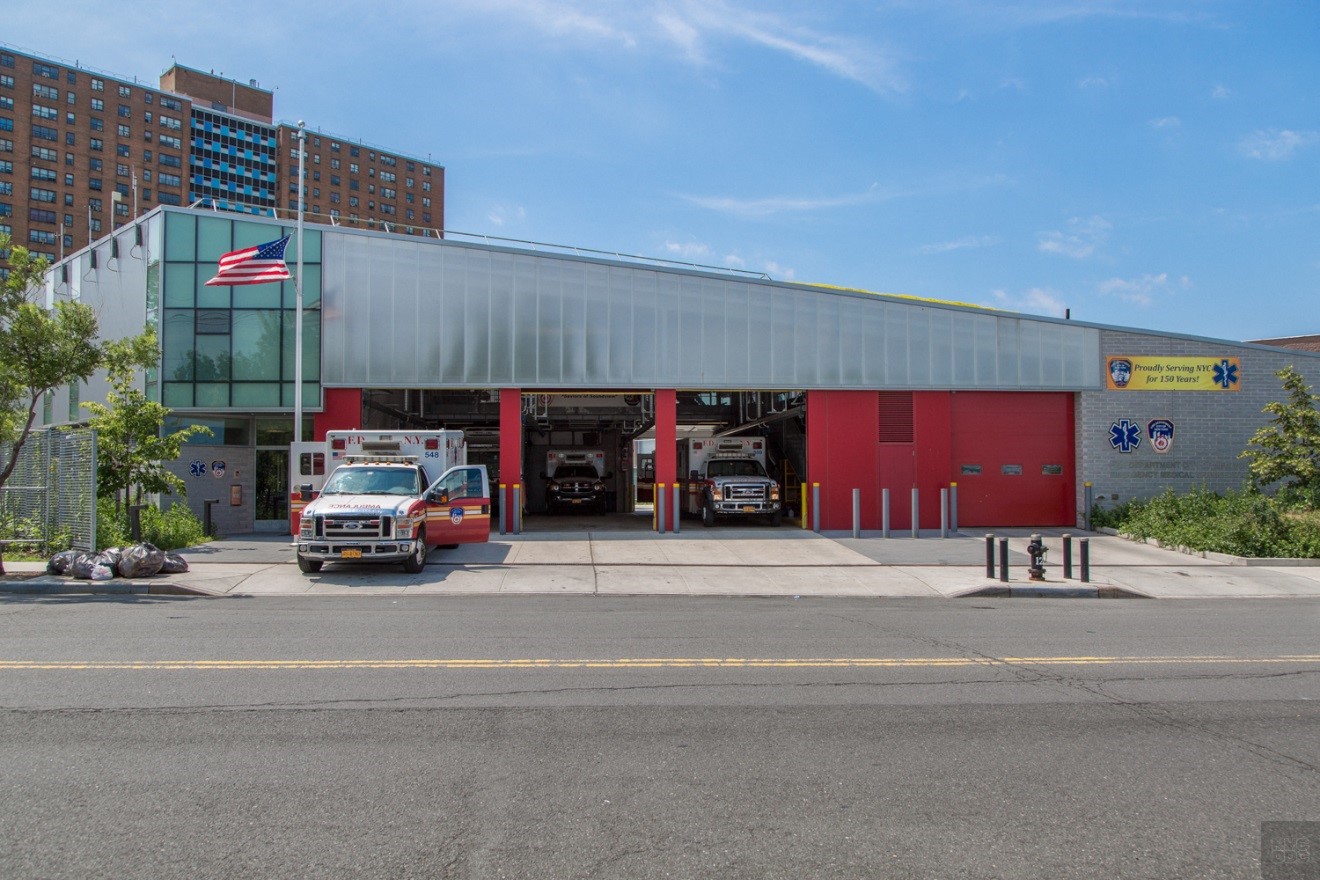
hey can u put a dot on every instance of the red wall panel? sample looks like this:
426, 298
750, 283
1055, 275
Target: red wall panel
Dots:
1028, 431
342, 412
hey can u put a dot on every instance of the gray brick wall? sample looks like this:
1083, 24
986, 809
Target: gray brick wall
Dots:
1211, 428
240, 469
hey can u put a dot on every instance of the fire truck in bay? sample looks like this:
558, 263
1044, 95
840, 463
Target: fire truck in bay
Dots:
726, 476
385, 496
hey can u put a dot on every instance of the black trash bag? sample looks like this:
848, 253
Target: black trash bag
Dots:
61, 562
174, 564
89, 568
110, 557
141, 560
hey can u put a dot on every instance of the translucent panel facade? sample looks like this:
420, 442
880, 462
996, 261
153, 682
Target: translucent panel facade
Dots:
440, 314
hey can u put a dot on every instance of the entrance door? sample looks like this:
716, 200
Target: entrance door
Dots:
272, 513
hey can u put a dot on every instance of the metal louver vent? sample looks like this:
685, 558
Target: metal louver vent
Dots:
895, 416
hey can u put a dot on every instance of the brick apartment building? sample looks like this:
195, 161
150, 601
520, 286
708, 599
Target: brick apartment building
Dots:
83, 153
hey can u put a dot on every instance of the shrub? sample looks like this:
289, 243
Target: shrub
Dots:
168, 530
1242, 523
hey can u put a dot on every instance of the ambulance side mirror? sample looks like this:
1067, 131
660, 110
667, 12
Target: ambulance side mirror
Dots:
305, 492
437, 496
693, 475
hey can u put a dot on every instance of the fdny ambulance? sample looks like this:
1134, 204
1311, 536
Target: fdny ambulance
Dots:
385, 496
726, 477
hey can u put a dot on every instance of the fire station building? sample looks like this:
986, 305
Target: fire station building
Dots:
529, 350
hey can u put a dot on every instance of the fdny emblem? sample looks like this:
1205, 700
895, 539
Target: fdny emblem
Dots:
456, 515
1160, 432
1125, 435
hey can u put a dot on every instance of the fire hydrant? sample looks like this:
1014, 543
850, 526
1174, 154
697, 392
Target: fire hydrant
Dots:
1036, 552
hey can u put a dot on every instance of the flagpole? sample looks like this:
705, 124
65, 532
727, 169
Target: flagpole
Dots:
298, 290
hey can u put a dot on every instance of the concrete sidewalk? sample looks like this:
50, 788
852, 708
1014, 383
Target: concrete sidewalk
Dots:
721, 562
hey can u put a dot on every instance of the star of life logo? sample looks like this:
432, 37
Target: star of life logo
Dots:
1125, 435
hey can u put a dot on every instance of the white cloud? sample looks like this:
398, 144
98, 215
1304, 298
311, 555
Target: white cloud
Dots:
1166, 122
782, 273
1277, 145
1141, 291
499, 215
696, 28
958, 244
1220, 93
1037, 301
1083, 237
690, 251
1093, 82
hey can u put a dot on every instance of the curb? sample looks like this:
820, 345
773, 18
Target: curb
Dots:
1048, 592
50, 587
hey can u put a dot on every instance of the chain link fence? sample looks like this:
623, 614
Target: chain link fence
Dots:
49, 500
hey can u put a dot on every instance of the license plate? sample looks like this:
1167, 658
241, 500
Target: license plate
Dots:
749, 509
351, 554
577, 500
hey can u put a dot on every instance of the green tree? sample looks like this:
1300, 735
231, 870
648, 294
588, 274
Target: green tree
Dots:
1287, 450
131, 451
40, 349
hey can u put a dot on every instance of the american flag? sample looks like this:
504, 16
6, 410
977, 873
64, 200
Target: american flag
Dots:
253, 265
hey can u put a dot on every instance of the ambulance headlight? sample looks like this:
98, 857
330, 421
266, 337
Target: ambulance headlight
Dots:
403, 526
774, 492
598, 486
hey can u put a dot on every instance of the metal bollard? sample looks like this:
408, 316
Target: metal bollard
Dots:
1088, 499
504, 505
1086, 560
953, 508
944, 513
884, 511
1003, 559
1067, 556
677, 509
916, 514
135, 521
517, 508
989, 556
857, 513
815, 507
659, 512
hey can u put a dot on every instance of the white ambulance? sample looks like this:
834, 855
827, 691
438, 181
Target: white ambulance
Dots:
726, 476
385, 496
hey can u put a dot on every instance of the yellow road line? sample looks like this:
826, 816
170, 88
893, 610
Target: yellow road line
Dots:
646, 663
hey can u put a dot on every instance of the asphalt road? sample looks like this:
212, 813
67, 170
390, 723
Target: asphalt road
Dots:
604, 737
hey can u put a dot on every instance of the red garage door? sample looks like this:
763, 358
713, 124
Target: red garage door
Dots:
1013, 458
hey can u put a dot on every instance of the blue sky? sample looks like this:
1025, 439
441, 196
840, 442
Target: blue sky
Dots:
1145, 164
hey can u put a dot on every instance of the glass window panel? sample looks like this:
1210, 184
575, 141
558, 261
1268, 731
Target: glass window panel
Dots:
311, 285
311, 346
212, 394
257, 296
212, 359
256, 393
214, 238
180, 236
180, 285
213, 322
177, 394
256, 345
274, 430
177, 342
217, 297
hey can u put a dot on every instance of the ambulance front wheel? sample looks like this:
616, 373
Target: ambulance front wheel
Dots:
309, 566
416, 560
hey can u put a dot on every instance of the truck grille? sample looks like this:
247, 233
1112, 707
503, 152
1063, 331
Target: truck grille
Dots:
745, 491
353, 527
